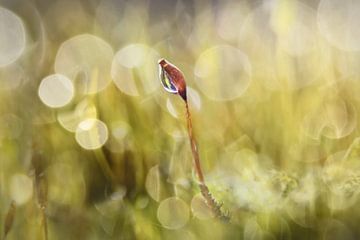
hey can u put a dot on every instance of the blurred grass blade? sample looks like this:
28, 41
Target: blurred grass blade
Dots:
41, 187
9, 219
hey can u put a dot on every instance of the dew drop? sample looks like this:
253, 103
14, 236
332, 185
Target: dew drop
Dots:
166, 81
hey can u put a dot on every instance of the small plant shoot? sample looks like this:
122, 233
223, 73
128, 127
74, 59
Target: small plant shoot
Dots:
173, 81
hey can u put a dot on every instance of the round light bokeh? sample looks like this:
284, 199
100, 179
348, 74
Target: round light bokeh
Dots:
338, 22
135, 71
91, 134
173, 213
56, 90
87, 56
153, 184
21, 188
70, 119
223, 73
12, 40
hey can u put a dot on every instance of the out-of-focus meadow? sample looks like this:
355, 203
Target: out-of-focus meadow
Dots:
92, 147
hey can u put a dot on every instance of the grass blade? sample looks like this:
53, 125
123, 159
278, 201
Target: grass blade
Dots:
9, 219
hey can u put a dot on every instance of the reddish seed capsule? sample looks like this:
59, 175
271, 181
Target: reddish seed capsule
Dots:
172, 78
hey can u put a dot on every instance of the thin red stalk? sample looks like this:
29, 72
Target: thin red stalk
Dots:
194, 150
210, 201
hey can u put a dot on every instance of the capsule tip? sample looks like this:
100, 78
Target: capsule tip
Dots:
162, 62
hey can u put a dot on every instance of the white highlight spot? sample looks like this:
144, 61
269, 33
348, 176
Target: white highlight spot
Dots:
12, 37
91, 133
56, 90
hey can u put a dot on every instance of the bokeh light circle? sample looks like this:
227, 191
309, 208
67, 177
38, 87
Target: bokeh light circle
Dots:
12, 40
134, 70
91, 133
223, 73
70, 119
339, 21
85, 58
153, 183
56, 90
173, 213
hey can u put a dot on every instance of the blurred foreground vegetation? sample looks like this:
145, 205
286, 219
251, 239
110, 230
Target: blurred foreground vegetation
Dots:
92, 147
